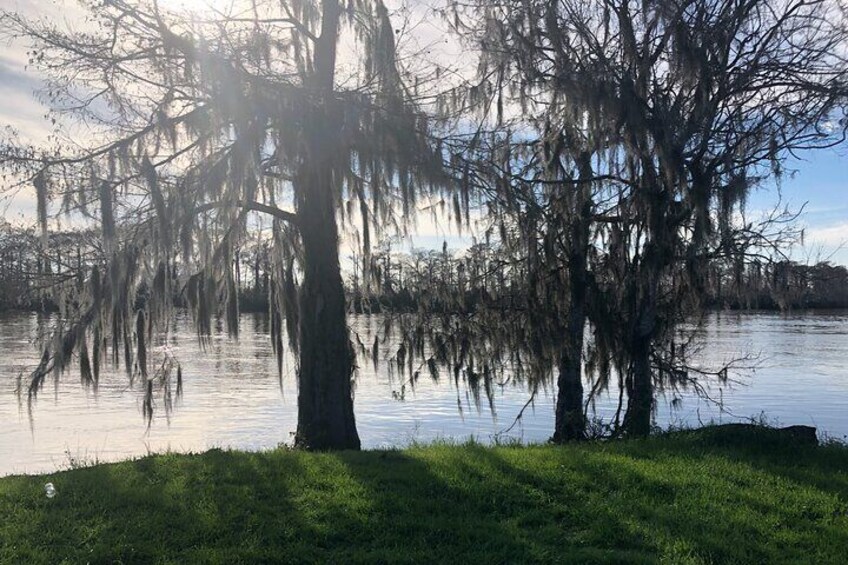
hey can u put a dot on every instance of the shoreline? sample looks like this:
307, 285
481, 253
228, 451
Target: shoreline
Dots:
682, 497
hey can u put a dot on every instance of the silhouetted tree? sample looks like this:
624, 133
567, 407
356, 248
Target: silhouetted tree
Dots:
686, 106
199, 125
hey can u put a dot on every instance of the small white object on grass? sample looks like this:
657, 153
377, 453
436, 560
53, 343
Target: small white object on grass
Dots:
49, 490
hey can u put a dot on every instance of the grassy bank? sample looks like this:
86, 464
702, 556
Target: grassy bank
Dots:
683, 498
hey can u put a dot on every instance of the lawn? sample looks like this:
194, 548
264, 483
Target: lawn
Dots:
688, 497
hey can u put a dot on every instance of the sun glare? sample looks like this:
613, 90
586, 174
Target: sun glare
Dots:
208, 7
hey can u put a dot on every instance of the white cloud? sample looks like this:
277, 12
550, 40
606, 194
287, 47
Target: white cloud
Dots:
823, 243
835, 235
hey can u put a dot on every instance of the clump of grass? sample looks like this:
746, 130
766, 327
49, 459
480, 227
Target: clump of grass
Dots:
685, 497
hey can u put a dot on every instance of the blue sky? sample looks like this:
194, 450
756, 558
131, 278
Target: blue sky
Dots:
819, 182
819, 179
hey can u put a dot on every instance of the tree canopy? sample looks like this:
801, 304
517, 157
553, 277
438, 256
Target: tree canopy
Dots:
202, 122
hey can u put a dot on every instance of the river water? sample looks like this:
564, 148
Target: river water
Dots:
232, 396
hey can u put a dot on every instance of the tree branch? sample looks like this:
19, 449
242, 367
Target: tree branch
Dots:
284, 215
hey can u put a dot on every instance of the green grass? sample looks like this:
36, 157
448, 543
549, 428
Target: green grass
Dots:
688, 497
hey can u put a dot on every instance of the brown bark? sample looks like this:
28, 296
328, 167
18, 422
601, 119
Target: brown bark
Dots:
325, 401
640, 394
325, 395
657, 256
570, 420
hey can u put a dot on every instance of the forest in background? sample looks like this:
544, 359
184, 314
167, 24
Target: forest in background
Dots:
27, 274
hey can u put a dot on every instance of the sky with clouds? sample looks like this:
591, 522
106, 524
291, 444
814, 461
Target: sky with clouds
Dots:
818, 181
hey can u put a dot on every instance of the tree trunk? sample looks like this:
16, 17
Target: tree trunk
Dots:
325, 396
640, 386
640, 393
570, 421
325, 401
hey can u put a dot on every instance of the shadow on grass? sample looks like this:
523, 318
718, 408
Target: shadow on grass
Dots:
676, 499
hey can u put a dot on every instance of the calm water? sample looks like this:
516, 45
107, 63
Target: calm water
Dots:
233, 398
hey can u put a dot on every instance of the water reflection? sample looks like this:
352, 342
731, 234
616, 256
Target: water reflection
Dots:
233, 397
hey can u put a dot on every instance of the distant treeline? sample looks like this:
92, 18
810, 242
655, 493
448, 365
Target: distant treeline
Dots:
749, 285
30, 268
31, 265
782, 285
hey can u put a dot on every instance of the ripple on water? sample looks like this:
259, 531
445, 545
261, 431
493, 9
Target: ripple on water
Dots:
233, 398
